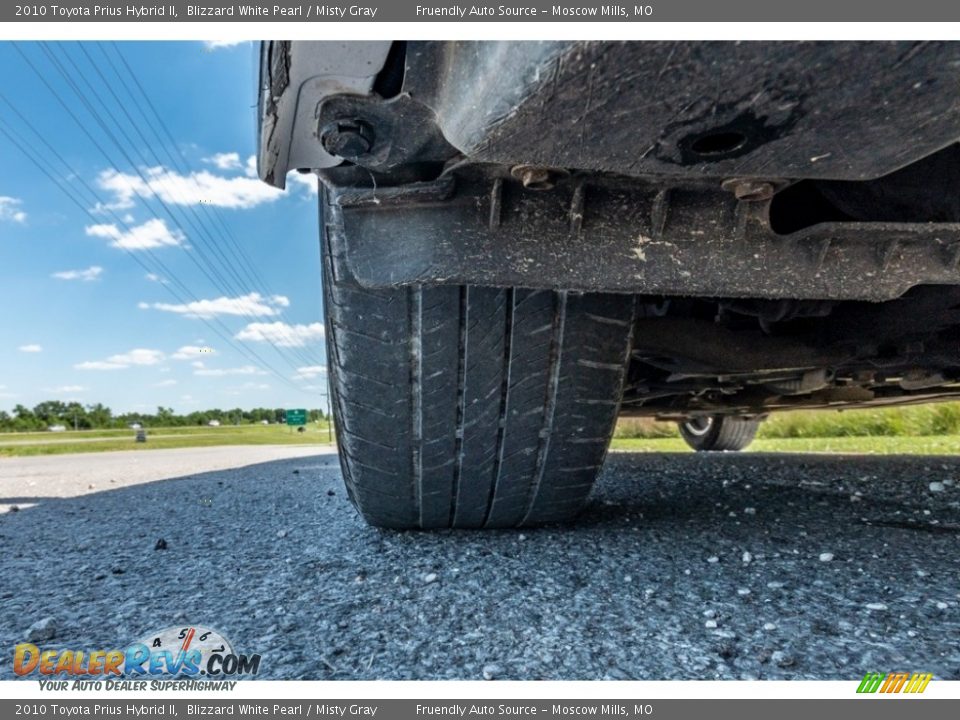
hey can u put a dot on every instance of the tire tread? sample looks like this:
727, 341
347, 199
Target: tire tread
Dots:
470, 406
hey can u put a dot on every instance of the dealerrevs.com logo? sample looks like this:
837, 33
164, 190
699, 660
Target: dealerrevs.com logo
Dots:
895, 682
186, 652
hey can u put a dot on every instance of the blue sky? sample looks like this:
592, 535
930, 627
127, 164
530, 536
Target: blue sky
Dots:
82, 319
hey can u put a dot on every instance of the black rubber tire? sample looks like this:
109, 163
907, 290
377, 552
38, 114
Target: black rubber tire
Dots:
720, 433
470, 407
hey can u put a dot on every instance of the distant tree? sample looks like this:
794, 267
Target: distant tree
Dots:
50, 412
99, 415
165, 416
198, 418
25, 419
75, 416
258, 415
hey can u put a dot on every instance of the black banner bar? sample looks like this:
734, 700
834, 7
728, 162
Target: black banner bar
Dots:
530, 11
872, 708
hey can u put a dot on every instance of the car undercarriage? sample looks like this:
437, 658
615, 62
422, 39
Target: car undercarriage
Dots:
755, 226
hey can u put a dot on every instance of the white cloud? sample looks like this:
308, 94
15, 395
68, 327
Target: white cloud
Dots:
309, 372
317, 388
137, 356
165, 383
220, 44
307, 181
151, 234
282, 334
252, 386
197, 188
198, 364
153, 277
10, 209
66, 389
225, 161
250, 167
91, 273
253, 304
99, 365
31, 348
220, 372
188, 352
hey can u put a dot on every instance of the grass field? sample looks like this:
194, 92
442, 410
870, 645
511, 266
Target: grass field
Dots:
927, 430
47, 443
933, 420
916, 430
868, 445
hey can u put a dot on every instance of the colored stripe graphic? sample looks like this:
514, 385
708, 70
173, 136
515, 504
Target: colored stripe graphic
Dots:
870, 683
918, 683
894, 682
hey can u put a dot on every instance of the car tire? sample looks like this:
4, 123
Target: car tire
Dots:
719, 433
469, 407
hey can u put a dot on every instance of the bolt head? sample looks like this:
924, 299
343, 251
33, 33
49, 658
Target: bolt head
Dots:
348, 138
534, 177
749, 190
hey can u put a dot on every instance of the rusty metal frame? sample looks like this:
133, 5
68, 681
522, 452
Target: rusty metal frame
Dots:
480, 226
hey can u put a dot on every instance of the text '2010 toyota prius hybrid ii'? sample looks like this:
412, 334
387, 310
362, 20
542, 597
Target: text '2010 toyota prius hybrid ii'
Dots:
524, 241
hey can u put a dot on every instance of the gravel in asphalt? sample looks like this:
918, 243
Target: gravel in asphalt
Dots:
682, 566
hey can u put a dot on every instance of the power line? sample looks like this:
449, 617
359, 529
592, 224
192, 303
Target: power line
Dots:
203, 262
183, 166
204, 231
38, 161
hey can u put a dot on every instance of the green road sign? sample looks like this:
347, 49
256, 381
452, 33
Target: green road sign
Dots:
296, 417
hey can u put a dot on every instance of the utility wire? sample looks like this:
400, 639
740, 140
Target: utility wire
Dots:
42, 164
203, 263
45, 167
183, 166
248, 352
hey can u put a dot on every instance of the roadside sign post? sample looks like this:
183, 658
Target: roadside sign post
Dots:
326, 397
296, 417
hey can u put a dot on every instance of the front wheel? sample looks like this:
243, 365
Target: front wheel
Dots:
719, 432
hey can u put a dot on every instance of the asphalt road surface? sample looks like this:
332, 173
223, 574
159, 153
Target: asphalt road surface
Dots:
683, 566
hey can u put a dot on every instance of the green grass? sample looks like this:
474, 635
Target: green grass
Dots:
45, 436
911, 421
21, 444
920, 430
918, 421
868, 445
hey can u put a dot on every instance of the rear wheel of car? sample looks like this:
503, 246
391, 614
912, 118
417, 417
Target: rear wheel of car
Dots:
718, 432
470, 407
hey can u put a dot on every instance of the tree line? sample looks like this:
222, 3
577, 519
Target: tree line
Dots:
73, 415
